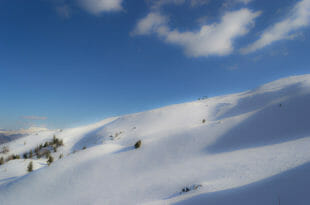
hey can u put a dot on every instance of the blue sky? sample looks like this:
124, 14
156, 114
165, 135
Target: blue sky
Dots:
70, 62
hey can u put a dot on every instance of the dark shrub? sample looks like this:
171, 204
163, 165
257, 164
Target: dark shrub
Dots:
30, 167
84, 147
138, 144
1, 161
50, 160
60, 143
25, 155
36, 150
186, 189
204, 120
61, 156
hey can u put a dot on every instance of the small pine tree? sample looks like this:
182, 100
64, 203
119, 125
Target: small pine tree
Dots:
50, 160
30, 167
55, 139
25, 155
60, 156
1, 160
47, 154
30, 154
204, 120
138, 144
61, 143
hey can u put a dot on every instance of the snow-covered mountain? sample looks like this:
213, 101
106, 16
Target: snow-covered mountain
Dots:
9, 135
246, 148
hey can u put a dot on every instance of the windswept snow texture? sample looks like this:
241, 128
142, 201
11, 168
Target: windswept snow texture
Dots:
247, 148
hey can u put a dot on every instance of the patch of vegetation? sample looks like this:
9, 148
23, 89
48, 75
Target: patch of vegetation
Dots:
60, 156
191, 188
84, 147
1, 161
12, 157
56, 141
44, 150
204, 121
5, 149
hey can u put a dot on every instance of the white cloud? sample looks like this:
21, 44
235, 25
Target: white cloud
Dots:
149, 24
99, 6
214, 39
299, 17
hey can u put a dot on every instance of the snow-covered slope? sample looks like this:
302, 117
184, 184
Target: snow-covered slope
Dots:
247, 148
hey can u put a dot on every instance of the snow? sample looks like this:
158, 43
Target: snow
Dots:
253, 148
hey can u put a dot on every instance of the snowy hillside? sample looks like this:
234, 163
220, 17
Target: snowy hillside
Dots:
246, 148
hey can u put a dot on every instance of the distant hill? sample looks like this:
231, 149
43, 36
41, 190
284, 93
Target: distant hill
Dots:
10, 135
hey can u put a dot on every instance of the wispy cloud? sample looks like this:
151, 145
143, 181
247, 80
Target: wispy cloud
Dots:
160, 3
298, 18
99, 6
34, 117
213, 39
229, 3
243, 1
64, 11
